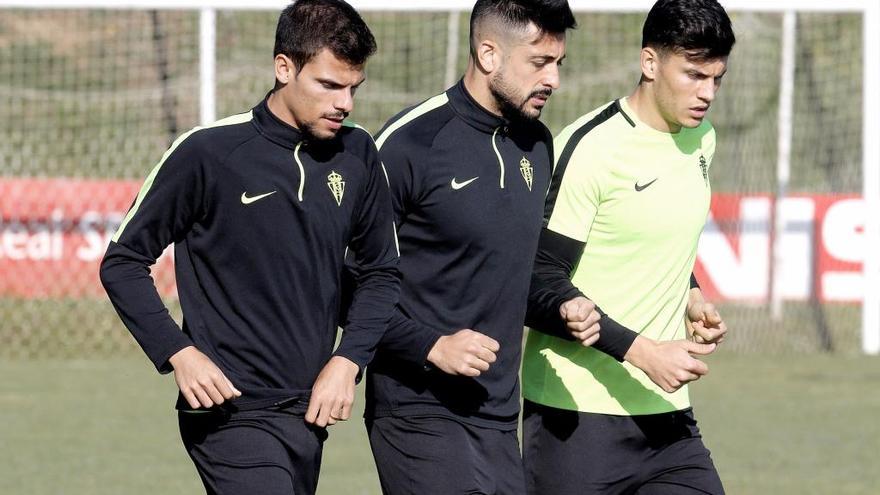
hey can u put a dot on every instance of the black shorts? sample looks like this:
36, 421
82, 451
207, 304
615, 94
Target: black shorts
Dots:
570, 452
442, 456
255, 452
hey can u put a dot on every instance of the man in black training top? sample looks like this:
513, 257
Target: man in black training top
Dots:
261, 207
469, 170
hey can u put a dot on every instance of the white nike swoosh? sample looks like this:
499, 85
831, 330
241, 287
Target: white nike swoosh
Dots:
245, 200
458, 185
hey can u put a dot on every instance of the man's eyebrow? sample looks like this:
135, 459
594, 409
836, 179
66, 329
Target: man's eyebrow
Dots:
546, 58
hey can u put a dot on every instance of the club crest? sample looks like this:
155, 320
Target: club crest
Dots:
337, 186
525, 168
704, 169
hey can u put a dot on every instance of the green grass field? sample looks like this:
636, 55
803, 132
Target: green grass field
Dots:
776, 425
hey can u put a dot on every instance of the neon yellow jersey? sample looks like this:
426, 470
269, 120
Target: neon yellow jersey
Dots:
638, 198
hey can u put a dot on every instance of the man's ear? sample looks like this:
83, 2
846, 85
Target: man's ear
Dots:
649, 61
284, 69
488, 56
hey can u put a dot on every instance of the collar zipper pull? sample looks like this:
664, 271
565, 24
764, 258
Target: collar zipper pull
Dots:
498, 154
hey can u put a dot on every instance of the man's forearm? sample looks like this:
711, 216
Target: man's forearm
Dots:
408, 340
126, 278
551, 286
373, 304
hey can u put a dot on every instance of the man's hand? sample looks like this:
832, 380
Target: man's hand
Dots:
466, 352
200, 380
704, 323
669, 364
581, 319
333, 393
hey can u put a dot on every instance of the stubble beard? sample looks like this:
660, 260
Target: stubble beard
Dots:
509, 102
310, 132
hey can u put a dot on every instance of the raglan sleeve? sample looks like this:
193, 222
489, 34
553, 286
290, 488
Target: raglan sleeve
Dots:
170, 201
405, 339
373, 269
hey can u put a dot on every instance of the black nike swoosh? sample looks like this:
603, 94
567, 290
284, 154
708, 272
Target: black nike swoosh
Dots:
642, 188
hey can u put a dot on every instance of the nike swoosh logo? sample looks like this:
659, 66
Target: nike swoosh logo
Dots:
458, 185
245, 200
642, 188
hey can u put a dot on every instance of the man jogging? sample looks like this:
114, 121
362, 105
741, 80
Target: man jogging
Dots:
469, 170
628, 201
261, 207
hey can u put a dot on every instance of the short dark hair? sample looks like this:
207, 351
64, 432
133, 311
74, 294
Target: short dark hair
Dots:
306, 27
551, 16
698, 28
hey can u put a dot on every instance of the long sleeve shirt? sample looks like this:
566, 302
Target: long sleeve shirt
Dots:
468, 190
260, 219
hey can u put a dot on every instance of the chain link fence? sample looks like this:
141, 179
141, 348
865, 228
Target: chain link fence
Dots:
90, 99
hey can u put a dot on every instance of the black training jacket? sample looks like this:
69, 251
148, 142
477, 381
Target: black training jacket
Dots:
468, 189
260, 219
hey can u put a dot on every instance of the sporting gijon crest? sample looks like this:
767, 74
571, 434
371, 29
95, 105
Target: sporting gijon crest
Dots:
527, 171
337, 186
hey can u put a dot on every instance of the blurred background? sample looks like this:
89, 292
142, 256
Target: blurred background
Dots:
90, 98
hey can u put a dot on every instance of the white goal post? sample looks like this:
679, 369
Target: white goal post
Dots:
869, 9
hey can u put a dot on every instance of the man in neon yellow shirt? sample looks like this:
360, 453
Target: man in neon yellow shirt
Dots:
626, 206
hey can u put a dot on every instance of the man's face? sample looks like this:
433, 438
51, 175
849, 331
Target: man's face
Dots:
321, 95
528, 73
685, 87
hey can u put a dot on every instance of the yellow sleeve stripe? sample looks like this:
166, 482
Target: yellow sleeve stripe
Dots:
148, 183
425, 107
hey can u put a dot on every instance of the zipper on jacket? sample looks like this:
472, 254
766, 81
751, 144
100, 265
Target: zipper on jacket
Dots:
498, 154
302, 171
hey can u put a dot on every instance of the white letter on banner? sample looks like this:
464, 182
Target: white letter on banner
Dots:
843, 234
741, 275
797, 246
90, 226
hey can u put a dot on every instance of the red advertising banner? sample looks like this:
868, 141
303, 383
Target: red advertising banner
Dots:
822, 248
53, 233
